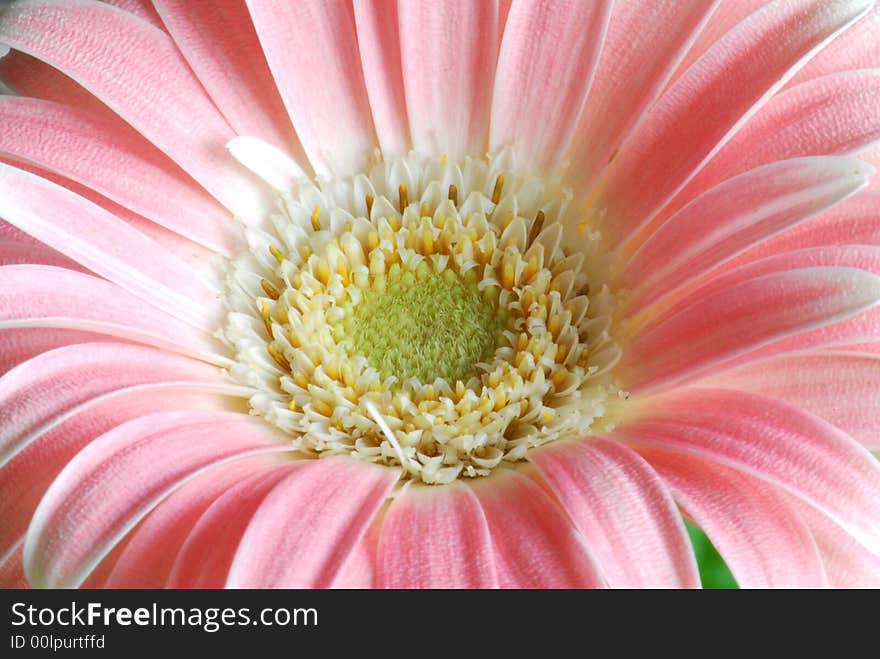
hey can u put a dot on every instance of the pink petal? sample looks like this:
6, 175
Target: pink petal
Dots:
140, 463
780, 444
359, 570
202, 261
155, 544
305, 529
623, 510
379, 44
857, 48
863, 327
743, 317
644, 44
733, 216
114, 160
762, 540
324, 90
545, 68
833, 115
853, 221
16, 253
12, 571
206, 556
534, 543
220, 45
97, 578
105, 245
9, 233
43, 388
25, 477
99, 46
436, 538
847, 563
701, 110
725, 18
28, 76
19, 345
842, 388
448, 51
140, 8
48, 297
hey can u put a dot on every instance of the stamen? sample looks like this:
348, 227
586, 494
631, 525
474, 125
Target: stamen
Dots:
537, 225
316, 218
279, 358
453, 194
269, 289
401, 193
496, 193
277, 253
369, 202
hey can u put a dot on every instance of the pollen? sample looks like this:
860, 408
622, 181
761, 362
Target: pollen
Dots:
426, 315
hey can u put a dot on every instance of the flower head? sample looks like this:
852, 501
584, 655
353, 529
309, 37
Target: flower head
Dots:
438, 294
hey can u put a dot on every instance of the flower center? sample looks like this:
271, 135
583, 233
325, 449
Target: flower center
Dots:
425, 325
425, 315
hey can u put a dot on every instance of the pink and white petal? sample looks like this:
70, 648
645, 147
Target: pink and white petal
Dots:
832, 115
762, 540
106, 245
155, 544
44, 296
743, 317
109, 157
141, 8
857, 48
324, 92
768, 439
724, 19
378, 37
12, 571
856, 329
28, 76
449, 52
305, 529
140, 462
547, 77
47, 386
436, 538
853, 221
25, 477
863, 257
535, 544
701, 111
735, 215
99, 46
19, 345
16, 253
206, 263
206, 556
272, 165
841, 387
97, 578
359, 570
644, 44
12, 234
847, 563
623, 510
220, 44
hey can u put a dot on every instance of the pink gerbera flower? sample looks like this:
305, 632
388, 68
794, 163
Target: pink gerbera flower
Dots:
443, 294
